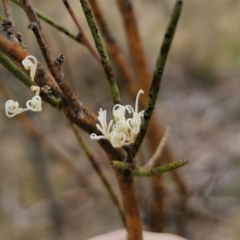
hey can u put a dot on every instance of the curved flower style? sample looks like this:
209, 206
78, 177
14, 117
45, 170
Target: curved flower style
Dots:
35, 89
35, 104
12, 108
30, 63
124, 130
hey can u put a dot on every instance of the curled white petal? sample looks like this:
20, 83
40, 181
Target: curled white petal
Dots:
137, 99
103, 127
134, 124
94, 136
130, 108
35, 104
12, 108
30, 63
117, 139
35, 89
119, 112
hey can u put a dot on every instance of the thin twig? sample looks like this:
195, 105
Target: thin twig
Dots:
16, 52
155, 131
53, 23
102, 51
39, 161
143, 172
7, 9
99, 172
8, 22
134, 43
53, 65
153, 160
158, 170
113, 49
157, 76
82, 36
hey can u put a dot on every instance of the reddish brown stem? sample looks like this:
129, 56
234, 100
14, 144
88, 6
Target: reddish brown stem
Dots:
142, 74
8, 22
134, 43
7, 9
82, 36
133, 222
112, 47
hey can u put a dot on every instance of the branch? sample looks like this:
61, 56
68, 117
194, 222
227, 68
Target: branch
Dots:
53, 65
143, 172
134, 44
102, 51
113, 50
81, 35
7, 10
153, 160
53, 23
158, 170
99, 172
157, 76
8, 23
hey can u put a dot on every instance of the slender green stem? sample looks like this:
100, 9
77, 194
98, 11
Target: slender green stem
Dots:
143, 172
53, 23
11, 67
99, 171
101, 50
123, 165
158, 170
80, 37
157, 76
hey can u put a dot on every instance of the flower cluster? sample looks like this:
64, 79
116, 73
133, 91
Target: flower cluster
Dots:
121, 131
35, 104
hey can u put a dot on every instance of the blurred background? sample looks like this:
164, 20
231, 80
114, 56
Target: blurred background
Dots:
48, 188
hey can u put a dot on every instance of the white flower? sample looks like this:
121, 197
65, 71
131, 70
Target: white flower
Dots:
124, 130
30, 63
35, 104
